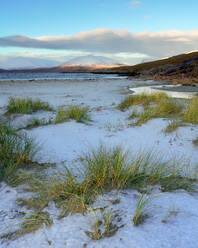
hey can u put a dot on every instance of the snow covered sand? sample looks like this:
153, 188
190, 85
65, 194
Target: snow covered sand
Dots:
65, 143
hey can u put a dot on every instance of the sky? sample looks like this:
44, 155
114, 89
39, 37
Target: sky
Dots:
124, 30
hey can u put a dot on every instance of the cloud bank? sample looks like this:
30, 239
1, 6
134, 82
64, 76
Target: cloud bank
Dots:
152, 44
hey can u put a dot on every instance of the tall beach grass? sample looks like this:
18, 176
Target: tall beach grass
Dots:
77, 113
16, 150
191, 112
26, 106
164, 109
142, 99
103, 170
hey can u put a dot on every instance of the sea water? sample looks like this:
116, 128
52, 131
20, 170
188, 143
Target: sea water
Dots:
52, 76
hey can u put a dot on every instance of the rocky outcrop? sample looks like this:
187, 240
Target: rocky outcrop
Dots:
178, 69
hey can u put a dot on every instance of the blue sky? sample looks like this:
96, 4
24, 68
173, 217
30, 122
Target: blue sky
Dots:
62, 17
57, 18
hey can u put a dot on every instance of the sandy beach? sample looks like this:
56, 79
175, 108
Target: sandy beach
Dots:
64, 145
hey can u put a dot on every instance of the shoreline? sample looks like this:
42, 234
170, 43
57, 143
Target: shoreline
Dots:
150, 84
179, 88
58, 80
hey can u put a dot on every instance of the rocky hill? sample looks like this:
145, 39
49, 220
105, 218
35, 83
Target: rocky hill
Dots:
179, 69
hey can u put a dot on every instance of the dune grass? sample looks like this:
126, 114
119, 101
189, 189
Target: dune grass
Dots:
191, 112
159, 105
104, 170
107, 168
26, 106
142, 99
103, 227
73, 113
16, 150
34, 122
142, 205
30, 224
173, 126
68, 194
34, 222
156, 105
134, 114
164, 109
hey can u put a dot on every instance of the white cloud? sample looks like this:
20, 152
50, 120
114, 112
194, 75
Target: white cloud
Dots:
152, 44
146, 16
134, 4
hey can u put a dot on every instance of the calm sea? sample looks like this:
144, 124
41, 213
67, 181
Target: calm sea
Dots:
53, 75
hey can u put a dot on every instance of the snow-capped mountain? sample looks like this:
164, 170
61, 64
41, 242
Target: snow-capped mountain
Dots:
79, 64
91, 60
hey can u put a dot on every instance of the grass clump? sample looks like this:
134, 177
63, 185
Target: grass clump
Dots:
156, 105
30, 224
164, 109
134, 114
191, 112
142, 205
34, 122
34, 222
16, 151
142, 99
67, 193
26, 106
104, 227
96, 234
104, 170
107, 168
168, 107
173, 126
73, 112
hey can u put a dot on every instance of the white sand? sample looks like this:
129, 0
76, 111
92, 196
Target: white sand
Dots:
64, 144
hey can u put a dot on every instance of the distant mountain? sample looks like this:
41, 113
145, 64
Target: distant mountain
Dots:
11, 62
88, 63
91, 60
